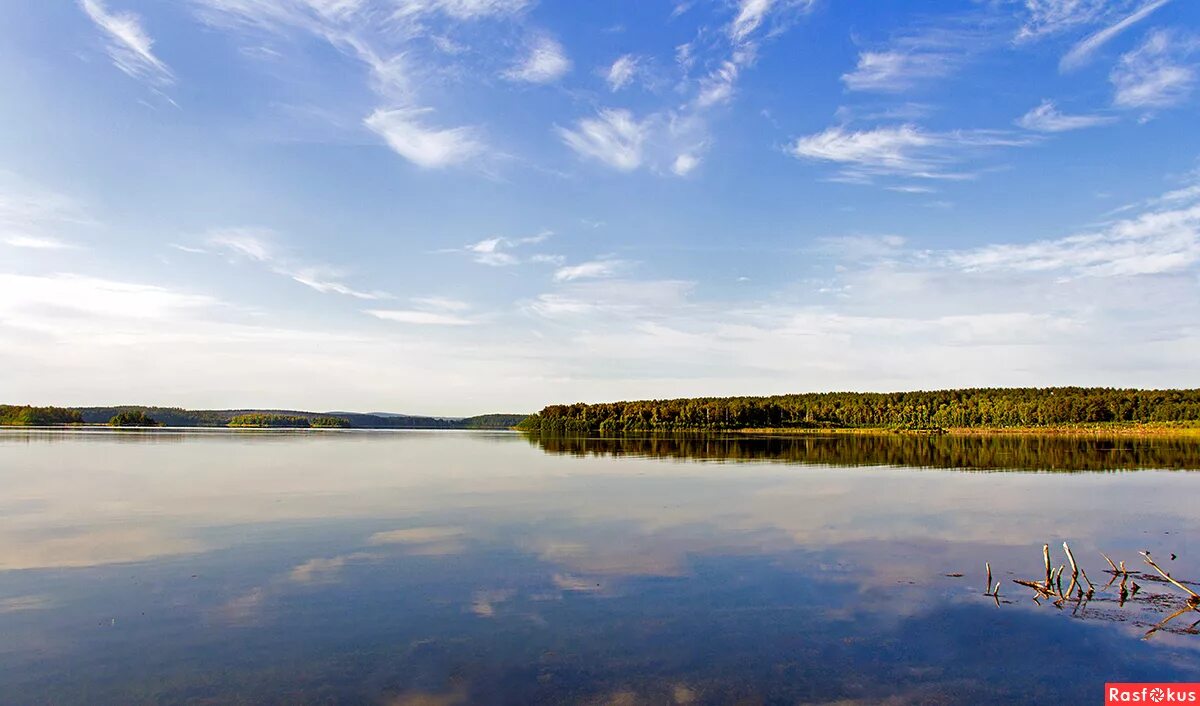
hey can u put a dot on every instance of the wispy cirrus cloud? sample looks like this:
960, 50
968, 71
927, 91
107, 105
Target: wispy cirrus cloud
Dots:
614, 137
128, 44
590, 270
418, 317
621, 72
458, 9
1081, 53
900, 150
404, 47
545, 62
406, 133
1157, 74
894, 71
34, 242
674, 140
259, 245
498, 251
1048, 17
928, 51
1046, 117
1161, 240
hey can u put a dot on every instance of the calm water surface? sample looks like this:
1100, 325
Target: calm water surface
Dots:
456, 568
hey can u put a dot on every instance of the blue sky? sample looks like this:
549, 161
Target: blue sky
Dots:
460, 206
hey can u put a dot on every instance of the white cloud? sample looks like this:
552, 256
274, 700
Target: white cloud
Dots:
626, 299
128, 44
903, 150
890, 148
589, 270
918, 56
1157, 242
252, 243
33, 242
462, 9
673, 139
381, 36
621, 72
432, 148
488, 252
41, 302
896, 71
1047, 118
1047, 17
546, 62
613, 137
717, 87
257, 245
422, 318
1082, 52
442, 303
1154, 74
685, 164
497, 251
750, 15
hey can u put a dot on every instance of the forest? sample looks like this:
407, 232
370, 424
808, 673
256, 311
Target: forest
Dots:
136, 415
26, 416
922, 410
288, 421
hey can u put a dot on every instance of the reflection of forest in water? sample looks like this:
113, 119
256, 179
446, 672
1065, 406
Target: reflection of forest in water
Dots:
996, 452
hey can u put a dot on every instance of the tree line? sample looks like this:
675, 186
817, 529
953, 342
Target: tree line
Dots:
288, 421
27, 416
921, 410
139, 415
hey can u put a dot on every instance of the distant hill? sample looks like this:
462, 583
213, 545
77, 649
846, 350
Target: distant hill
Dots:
179, 417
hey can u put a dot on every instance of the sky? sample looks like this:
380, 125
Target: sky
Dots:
463, 206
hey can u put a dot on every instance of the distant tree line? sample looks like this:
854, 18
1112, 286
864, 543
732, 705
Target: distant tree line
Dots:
938, 409
26, 416
288, 421
179, 417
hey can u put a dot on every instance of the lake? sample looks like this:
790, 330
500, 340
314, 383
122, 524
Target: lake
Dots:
408, 568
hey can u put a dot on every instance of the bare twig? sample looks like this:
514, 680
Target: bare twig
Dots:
1110, 562
989, 574
1071, 558
1195, 596
1091, 586
1040, 588
1046, 557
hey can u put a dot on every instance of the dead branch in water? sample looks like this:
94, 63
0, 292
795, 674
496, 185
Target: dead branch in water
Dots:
1195, 596
1080, 596
1071, 558
1091, 586
1046, 557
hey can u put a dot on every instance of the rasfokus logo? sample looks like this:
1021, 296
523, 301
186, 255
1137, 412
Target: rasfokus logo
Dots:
1118, 693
